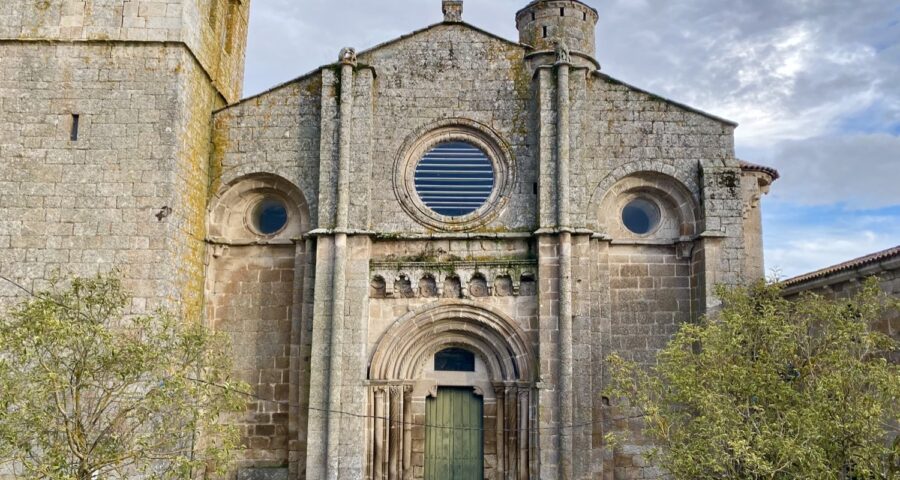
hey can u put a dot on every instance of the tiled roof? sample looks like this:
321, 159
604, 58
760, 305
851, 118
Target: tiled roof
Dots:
842, 267
752, 167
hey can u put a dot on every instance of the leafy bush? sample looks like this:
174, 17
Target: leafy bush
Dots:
774, 389
88, 392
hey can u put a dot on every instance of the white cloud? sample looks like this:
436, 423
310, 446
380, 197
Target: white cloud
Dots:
784, 70
797, 249
858, 170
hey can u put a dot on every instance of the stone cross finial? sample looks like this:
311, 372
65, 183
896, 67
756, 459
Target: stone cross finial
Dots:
348, 56
453, 10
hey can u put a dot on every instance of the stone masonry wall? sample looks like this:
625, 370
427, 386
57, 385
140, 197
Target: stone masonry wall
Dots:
214, 31
628, 295
276, 132
627, 130
448, 71
651, 297
91, 205
251, 298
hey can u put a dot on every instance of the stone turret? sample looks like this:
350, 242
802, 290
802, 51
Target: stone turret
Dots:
549, 26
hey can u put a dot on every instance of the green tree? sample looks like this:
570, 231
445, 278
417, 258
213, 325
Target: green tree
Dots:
772, 389
89, 392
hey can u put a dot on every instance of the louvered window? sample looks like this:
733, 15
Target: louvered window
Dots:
454, 178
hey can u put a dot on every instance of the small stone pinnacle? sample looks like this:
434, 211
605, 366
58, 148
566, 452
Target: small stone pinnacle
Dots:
453, 10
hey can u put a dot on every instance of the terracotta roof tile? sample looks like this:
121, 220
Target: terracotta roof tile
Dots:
752, 167
842, 267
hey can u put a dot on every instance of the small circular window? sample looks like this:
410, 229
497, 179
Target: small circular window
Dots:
269, 216
641, 216
454, 179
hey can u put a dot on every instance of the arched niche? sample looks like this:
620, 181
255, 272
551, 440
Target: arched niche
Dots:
254, 294
233, 206
677, 207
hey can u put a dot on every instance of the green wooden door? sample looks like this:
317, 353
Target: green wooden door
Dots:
454, 441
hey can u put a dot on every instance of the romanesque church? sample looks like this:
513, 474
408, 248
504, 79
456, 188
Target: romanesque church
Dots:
422, 252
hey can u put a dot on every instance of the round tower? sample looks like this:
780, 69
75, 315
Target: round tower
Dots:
546, 25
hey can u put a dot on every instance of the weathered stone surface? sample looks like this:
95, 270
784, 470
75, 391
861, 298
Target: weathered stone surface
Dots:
263, 474
335, 318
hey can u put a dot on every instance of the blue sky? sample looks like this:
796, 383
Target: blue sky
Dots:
814, 84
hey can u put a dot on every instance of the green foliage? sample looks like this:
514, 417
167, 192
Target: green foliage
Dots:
773, 389
88, 392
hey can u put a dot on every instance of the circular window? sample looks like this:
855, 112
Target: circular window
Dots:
269, 216
454, 175
641, 216
454, 178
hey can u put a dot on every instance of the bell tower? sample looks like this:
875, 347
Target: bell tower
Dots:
549, 25
117, 130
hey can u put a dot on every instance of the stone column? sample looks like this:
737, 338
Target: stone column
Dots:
525, 426
395, 439
339, 274
407, 432
500, 425
565, 272
390, 445
300, 314
379, 440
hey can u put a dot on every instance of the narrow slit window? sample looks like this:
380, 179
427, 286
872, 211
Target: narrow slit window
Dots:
584, 16
532, 16
545, 31
562, 12
454, 360
73, 135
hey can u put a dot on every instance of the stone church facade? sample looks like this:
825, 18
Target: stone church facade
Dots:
422, 252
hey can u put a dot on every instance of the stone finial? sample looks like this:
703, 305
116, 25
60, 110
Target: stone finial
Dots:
453, 10
348, 56
562, 52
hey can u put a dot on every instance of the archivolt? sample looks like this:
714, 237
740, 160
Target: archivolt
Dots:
228, 209
671, 192
413, 339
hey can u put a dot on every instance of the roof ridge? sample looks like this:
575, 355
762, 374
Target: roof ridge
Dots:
848, 265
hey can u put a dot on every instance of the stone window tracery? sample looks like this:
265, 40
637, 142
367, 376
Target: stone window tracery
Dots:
258, 207
648, 206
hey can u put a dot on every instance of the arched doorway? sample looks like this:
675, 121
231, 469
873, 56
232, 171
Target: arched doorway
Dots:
412, 377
